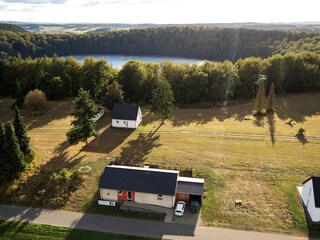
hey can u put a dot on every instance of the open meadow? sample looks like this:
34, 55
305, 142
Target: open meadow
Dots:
260, 161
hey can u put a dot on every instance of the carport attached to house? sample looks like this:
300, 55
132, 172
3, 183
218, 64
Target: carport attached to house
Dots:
189, 188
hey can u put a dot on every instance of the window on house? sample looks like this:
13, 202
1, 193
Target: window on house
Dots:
119, 192
124, 122
159, 197
117, 121
108, 194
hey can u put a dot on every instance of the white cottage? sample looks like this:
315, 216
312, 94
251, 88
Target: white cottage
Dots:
126, 115
311, 198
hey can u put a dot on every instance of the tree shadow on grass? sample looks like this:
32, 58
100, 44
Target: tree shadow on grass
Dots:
259, 120
302, 138
108, 140
298, 106
37, 190
136, 151
272, 128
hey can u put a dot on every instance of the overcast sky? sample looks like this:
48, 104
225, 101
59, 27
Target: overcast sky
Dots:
159, 11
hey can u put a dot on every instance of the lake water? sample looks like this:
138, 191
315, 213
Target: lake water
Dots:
118, 60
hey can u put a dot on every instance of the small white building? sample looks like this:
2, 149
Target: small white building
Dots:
310, 196
126, 115
98, 115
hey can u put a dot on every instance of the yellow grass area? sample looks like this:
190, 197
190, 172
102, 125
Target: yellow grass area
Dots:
259, 161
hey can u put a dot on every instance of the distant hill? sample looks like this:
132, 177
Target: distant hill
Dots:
11, 27
104, 27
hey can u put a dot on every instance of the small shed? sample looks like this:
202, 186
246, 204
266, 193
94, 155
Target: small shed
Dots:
310, 196
126, 115
189, 188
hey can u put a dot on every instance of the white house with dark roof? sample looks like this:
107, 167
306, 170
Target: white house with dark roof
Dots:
126, 115
148, 185
310, 196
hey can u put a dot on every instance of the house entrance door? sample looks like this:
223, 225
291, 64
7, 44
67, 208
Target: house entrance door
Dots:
129, 198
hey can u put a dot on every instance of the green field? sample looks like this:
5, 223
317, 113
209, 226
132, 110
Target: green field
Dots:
24, 231
257, 160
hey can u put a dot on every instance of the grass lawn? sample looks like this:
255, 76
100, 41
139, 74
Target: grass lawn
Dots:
24, 231
257, 160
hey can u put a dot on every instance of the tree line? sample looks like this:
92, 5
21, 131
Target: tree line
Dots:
61, 78
216, 44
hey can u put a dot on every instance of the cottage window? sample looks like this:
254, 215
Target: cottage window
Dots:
119, 192
124, 122
117, 121
159, 197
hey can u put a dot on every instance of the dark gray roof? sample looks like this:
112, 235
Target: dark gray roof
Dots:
316, 191
125, 111
193, 188
144, 180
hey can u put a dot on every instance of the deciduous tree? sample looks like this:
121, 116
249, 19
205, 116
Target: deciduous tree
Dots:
162, 100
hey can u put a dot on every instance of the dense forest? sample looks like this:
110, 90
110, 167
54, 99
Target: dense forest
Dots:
216, 44
11, 27
61, 78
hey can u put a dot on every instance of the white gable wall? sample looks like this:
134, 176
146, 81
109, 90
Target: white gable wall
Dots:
108, 194
139, 117
308, 200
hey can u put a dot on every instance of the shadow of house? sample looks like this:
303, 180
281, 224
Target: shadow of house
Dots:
108, 140
136, 151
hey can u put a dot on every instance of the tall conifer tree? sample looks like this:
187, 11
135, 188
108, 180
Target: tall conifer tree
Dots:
271, 99
21, 133
84, 111
15, 158
3, 159
260, 99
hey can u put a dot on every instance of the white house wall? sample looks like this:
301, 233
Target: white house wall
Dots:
139, 117
120, 123
308, 200
147, 198
108, 194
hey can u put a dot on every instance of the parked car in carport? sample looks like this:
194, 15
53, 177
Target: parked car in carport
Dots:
194, 206
179, 210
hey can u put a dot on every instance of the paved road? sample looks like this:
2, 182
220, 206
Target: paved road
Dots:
130, 226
